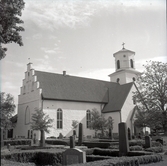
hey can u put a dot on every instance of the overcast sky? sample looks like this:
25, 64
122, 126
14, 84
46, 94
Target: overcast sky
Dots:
80, 36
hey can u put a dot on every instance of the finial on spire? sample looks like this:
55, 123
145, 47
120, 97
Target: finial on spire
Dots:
123, 45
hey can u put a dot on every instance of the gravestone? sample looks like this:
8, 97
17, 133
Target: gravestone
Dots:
73, 156
123, 139
80, 138
2, 141
147, 142
129, 134
34, 141
72, 142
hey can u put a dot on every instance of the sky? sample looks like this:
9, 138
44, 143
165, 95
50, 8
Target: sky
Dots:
81, 36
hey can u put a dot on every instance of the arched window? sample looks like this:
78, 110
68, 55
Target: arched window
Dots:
118, 64
59, 119
118, 80
131, 63
88, 118
27, 116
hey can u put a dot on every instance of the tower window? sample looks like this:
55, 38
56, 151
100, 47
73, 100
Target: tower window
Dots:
59, 119
118, 80
118, 64
124, 56
131, 63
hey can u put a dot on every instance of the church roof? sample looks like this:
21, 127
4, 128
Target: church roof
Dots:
117, 98
72, 88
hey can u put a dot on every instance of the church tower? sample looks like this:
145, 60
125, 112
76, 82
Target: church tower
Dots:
124, 67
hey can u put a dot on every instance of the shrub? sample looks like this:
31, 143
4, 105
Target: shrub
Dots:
105, 152
90, 158
154, 149
57, 142
135, 148
136, 142
18, 142
97, 144
39, 158
156, 144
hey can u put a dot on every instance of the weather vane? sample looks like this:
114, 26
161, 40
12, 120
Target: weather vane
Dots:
123, 45
29, 60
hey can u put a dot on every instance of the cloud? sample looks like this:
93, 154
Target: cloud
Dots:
51, 15
101, 74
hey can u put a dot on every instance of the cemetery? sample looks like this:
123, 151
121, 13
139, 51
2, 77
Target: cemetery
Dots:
79, 151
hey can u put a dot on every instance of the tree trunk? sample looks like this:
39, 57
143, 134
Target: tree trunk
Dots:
42, 140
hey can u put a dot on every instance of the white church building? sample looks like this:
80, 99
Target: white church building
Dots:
67, 98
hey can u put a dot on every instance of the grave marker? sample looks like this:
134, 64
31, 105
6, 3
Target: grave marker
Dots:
147, 142
80, 139
73, 156
123, 139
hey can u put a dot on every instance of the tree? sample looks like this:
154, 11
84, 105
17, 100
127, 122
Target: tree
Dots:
110, 122
7, 109
41, 122
99, 123
9, 20
151, 95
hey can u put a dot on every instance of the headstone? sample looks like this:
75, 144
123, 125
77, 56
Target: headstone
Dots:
42, 141
2, 141
123, 139
129, 134
74, 134
34, 141
72, 142
147, 142
80, 138
73, 156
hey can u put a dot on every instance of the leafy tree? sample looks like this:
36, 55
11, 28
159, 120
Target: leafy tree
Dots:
7, 109
99, 123
151, 95
9, 19
41, 122
110, 122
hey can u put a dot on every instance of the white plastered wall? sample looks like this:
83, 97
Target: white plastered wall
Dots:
71, 111
30, 97
127, 110
116, 117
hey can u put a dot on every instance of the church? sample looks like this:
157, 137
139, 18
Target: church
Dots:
67, 98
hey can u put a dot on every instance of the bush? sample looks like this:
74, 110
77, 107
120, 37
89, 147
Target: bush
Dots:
135, 148
97, 144
57, 142
156, 144
106, 152
18, 142
136, 142
90, 158
39, 158
154, 149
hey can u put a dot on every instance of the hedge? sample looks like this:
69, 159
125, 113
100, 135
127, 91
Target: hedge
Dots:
124, 161
18, 142
56, 142
97, 144
55, 159
114, 153
39, 158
